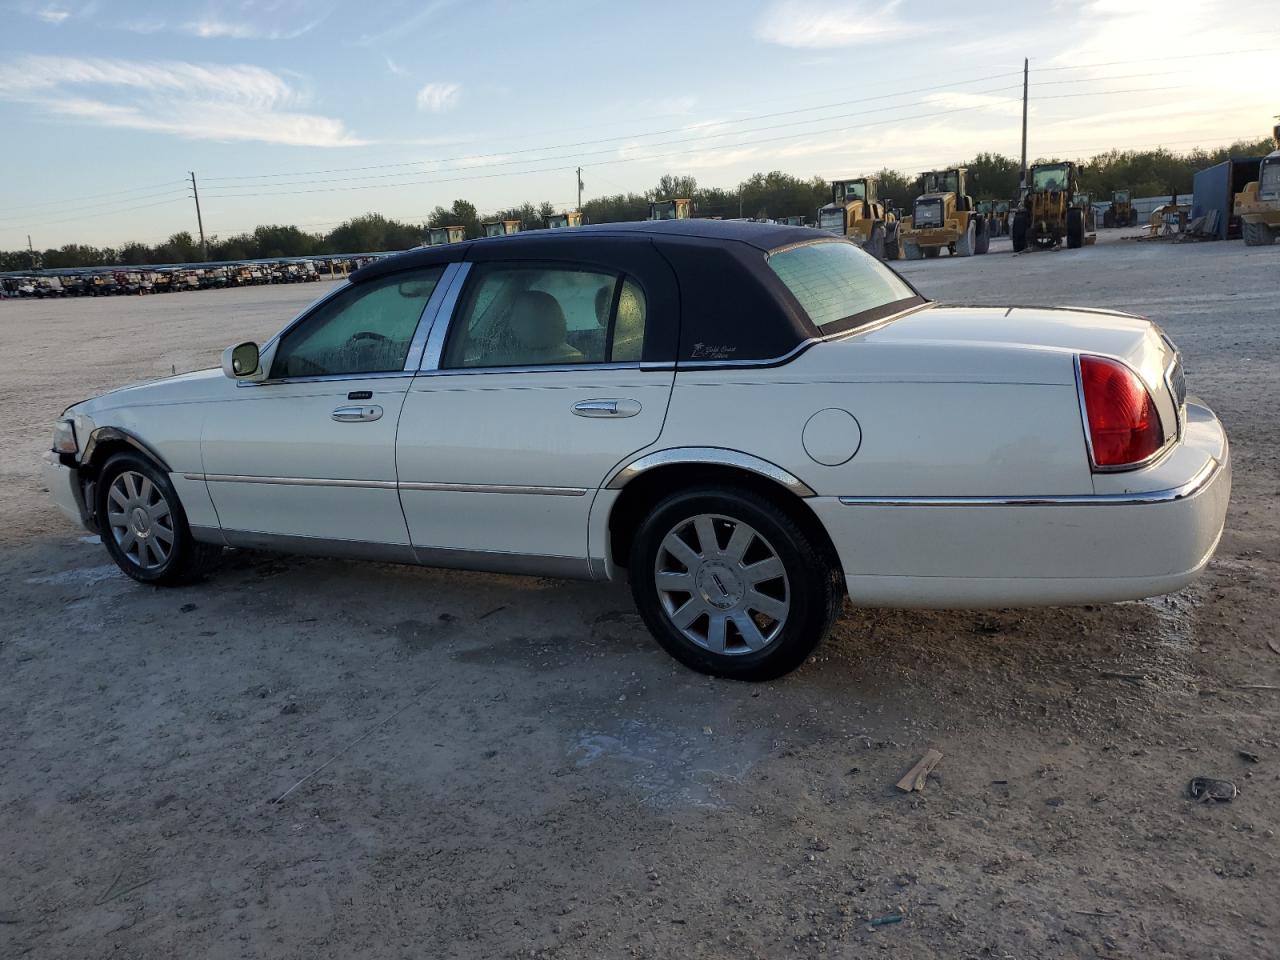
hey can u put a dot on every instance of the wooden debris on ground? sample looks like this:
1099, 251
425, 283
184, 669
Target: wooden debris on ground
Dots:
916, 776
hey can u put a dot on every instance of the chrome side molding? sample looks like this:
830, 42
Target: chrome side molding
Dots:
709, 455
1203, 478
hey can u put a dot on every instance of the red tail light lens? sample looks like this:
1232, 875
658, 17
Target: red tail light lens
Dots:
1124, 426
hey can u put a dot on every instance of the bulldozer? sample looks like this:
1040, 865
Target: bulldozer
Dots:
944, 216
682, 209
1048, 215
1121, 213
856, 212
1258, 204
559, 221
500, 228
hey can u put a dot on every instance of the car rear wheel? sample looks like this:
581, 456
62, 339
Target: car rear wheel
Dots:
732, 586
143, 526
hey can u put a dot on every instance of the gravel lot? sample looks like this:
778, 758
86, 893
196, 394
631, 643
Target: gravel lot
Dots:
511, 768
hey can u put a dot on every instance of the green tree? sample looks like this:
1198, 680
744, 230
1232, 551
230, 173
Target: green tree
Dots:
992, 176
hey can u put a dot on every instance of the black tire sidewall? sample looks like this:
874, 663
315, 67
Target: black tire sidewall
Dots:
177, 568
813, 584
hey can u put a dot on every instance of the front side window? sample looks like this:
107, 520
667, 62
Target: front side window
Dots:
839, 286
517, 316
367, 328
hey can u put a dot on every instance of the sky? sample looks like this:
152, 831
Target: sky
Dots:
312, 111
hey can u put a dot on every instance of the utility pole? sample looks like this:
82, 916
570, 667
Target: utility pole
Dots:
32, 251
1025, 71
579, 190
195, 193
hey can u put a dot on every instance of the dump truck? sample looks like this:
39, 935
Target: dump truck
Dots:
500, 228
1121, 213
856, 212
1047, 215
1258, 204
437, 236
680, 209
573, 218
944, 216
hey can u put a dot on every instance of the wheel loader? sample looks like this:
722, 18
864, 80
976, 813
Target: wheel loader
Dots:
944, 217
1258, 204
500, 228
560, 221
682, 209
856, 212
1121, 213
437, 236
1047, 216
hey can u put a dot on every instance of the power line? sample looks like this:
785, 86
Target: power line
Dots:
103, 203
114, 193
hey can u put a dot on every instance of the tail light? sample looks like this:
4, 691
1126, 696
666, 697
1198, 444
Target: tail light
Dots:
1124, 425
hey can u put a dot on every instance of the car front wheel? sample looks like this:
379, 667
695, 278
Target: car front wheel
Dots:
732, 586
143, 526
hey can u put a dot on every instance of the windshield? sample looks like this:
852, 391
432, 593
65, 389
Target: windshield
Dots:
1269, 181
851, 190
1049, 178
663, 211
947, 181
839, 286
1120, 196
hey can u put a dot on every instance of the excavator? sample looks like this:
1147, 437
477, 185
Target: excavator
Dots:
856, 213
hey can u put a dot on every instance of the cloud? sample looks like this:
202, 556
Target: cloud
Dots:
191, 100
955, 100
52, 15
213, 27
821, 24
438, 97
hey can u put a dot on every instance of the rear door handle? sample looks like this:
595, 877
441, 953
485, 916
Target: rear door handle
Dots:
356, 414
606, 408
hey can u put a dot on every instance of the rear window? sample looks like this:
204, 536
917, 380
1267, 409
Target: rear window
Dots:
839, 286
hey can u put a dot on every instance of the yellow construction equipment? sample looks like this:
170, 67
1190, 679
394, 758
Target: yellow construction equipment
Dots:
681, 209
441, 235
944, 217
501, 228
1047, 215
1121, 213
559, 221
856, 212
1258, 204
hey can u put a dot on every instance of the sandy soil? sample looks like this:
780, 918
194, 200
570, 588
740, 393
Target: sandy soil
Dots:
511, 768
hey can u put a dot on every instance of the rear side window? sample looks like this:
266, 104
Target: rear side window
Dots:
839, 286
530, 315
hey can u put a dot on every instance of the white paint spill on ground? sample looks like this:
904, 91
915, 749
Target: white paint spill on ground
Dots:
669, 767
82, 576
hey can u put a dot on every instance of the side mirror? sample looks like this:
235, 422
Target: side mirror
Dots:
241, 361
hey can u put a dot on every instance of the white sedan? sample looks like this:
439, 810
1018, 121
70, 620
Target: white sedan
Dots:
747, 421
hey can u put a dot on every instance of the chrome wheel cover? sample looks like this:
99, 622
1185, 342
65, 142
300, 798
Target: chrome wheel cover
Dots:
140, 520
722, 585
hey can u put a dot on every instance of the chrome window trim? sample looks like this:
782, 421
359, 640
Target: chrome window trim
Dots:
534, 368
709, 455
1204, 476
443, 320
327, 378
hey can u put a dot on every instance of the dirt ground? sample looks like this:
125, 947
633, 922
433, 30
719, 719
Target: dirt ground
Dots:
505, 767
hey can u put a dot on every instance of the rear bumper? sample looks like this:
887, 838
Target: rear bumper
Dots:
1027, 551
64, 486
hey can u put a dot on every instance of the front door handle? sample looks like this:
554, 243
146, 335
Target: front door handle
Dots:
606, 408
356, 414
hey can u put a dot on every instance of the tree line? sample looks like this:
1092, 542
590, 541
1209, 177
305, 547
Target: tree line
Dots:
991, 176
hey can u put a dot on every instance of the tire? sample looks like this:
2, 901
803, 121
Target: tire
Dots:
713, 627
982, 242
1075, 228
1018, 232
1256, 234
1109, 218
1133, 218
966, 243
133, 490
892, 247
912, 251
875, 242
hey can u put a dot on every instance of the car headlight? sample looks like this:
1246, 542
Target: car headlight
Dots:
64, 437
